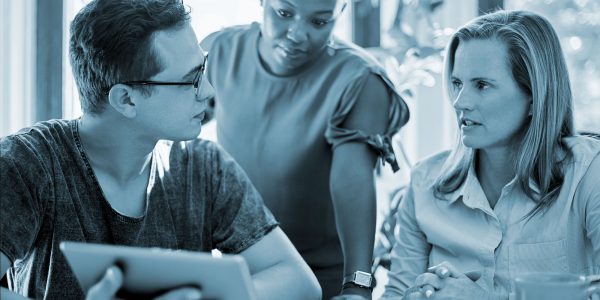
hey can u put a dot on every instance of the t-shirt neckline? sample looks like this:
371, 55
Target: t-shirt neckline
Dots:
121, 217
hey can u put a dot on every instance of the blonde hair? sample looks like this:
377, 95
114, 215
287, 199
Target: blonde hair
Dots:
538, 66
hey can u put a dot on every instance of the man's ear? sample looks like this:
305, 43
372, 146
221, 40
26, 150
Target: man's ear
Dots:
121, 99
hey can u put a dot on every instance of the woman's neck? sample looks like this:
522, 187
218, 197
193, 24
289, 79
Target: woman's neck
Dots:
494, 169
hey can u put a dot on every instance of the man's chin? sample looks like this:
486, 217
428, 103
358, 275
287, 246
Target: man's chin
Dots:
188, 137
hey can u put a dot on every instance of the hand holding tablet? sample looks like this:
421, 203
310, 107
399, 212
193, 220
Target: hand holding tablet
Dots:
152, 271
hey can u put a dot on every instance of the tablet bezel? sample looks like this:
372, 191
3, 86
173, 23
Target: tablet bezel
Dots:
151, 270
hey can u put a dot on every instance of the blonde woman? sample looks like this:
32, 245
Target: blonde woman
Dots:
520, 191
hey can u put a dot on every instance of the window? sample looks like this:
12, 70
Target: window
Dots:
71, 108
17, 56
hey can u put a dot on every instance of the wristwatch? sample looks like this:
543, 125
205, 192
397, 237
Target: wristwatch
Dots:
360, 279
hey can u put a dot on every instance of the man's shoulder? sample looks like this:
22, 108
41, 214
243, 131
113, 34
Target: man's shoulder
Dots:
38, 155
38, 139
43, 128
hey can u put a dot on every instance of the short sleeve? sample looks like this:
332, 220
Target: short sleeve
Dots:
21, 197
239, 216
398, 115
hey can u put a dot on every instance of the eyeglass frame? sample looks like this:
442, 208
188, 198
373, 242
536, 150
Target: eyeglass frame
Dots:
196, 83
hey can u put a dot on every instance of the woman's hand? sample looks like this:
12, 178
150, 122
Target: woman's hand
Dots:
112, 281
444, 281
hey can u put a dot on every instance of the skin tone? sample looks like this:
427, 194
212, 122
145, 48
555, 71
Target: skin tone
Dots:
295, 33
121, 161
121, 158
170, 112
492, 112
352, 185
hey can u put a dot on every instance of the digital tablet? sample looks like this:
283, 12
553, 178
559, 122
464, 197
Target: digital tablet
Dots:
151, 271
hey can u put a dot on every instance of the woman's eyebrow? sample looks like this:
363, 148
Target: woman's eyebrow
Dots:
323, 12
483, 79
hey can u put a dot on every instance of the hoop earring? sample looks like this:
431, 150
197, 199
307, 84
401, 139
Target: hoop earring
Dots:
331, 47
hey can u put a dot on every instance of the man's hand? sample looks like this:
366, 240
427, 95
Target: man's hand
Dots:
112, 281
108, 286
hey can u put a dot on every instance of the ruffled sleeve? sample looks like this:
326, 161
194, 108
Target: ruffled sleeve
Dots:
398, 115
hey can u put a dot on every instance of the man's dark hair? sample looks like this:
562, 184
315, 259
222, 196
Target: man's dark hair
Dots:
111, 42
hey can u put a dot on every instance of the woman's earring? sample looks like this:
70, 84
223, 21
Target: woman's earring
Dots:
531, 108
530, 114
331, 47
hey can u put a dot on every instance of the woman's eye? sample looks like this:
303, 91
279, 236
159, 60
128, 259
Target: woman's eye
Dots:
319, 22
482, 85
284, 13
457, 84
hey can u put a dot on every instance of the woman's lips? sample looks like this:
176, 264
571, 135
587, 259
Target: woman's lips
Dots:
468, 122
291, 52
199, 116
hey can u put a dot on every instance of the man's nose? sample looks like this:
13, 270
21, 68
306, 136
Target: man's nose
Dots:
206, 90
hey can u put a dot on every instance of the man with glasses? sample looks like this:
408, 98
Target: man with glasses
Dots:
131, 171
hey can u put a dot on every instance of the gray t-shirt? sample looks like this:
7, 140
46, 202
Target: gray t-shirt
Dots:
282, 130
198, 199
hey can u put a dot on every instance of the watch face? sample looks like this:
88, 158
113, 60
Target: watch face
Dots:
362, 278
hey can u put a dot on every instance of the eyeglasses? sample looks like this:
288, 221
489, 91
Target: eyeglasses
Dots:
196, 83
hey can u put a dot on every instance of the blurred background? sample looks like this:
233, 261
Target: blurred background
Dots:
407, 36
